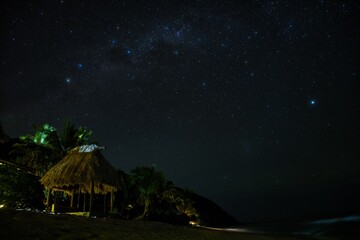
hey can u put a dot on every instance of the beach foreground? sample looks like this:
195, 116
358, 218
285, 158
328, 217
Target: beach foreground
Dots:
31, 225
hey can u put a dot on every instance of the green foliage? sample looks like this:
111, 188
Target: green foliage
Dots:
44, 148
40, 150
148, 181
73, 137
145, 194
148, 184
44, 135
19, 189
35, 156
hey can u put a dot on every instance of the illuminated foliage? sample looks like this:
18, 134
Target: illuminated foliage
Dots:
45, 148
40, 150
182, 199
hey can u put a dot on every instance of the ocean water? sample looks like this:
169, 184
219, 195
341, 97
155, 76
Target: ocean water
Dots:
347, 228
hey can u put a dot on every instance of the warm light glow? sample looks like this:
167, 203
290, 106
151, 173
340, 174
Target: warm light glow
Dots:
193, 223
2, 205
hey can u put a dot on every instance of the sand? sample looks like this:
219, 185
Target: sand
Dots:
30, 225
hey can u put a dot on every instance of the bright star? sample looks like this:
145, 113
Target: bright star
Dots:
113, 43
203, 85
312, 102
68, 81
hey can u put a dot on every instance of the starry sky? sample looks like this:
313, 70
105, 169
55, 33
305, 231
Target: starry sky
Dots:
253, 104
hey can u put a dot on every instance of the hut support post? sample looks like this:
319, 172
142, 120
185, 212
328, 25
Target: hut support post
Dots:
48, 197
72, 198
91, 198
78, 200
84, 206
56, 200
105, 203
112, 201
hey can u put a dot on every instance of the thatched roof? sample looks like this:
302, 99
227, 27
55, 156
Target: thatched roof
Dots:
80, 169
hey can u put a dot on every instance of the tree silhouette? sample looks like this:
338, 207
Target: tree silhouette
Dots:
149, 183
72, 137
45, 148
39, 150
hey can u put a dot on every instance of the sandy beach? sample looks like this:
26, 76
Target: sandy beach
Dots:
32, 225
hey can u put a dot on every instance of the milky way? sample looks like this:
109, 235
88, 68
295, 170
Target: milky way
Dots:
238, 100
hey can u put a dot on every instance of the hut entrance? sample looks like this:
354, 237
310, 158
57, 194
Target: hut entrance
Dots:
78, 201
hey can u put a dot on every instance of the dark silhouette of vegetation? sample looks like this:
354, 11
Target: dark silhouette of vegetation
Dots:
144, 194
5, 144
19, 189
35, 154
18, 186
3, 136
182, 199
45, 148
72, 137
148, 184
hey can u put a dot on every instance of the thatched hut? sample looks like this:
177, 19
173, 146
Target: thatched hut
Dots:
83, 170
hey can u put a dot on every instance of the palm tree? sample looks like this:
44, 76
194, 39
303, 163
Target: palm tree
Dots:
45, 148
148, 183
40, 150
72, 137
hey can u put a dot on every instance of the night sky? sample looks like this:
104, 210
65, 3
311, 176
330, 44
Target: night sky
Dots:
253, 104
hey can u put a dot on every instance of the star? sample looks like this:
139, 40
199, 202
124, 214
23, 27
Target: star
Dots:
178, 34
203, 84
113, 43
